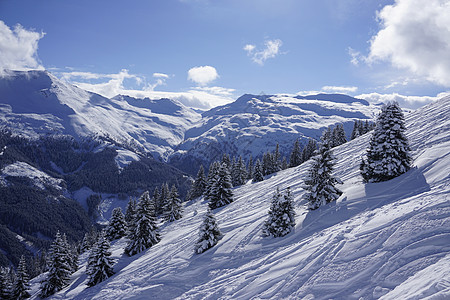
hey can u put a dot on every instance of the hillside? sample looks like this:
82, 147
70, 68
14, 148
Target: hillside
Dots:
254, 124
385, 240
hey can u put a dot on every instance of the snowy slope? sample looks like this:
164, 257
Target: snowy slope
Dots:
385, 240
253, 125
36, 102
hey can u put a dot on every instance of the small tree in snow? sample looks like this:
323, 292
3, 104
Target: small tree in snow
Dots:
281, 218
296, 155
145, 232
6, 284
59, 269
100, 264
221, 193
309, 149
209, 233
21, 285
338, 136
117, 226
130, 212
319, 183
199, 185
388, 154
174, 207
258, 172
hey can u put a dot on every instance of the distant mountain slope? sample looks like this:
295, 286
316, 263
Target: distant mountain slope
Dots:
386, 240
38, 103
253, 125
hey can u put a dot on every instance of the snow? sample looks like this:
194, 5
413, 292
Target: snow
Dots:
125, 157
22, 169
388, 239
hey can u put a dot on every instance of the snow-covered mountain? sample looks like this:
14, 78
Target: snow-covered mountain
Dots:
253, 125
388, 240
36, 102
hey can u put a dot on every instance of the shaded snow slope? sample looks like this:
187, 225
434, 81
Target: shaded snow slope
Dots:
389, 239
36, 102
253, 125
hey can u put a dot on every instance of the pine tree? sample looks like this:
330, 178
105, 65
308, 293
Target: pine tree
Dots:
130, 212
339, 135
117, 226
309, 149
145, 232
72, 256
327, 136
296, 155
164, 196
209, 233
281, 218
276, 159
85, 245
21, 285
320, 184
284, 164
59, 269
356, 132
257, 172
221, 193
174, 207
199, 186
226, 159
235, 175
388, 154
250, 168
100, 264
243, 173
212, 177
6, 284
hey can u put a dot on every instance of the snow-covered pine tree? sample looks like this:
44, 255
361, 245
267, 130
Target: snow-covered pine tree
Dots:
21, 285
235, 175
199, 186
250, 168
243, 173
212, 177
296, 155
174, 207
164, 197
281, 218
6, 284
226, 159
85, 245
388, 154
209, 233
356, 132
309, 149
277, 159
284, 163
117, 226
156, 196
319, 183
59, 269
221, 193
130, 212
145, 232
258, 172
339, 135
72, 256
100, 264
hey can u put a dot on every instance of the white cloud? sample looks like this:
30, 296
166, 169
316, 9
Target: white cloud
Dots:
160, 75
18, 48
404, 101
340, 89
415, 36
271, 50
202, 75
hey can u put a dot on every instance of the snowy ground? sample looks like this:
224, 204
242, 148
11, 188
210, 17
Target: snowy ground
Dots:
386, 240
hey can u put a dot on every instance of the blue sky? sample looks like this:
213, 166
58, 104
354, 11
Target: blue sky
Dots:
363, 48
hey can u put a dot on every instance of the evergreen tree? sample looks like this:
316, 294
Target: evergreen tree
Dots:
226, 159
327, 136
164, 197
59, 269
339, 135
356, 132
199, 186
221, 193
235, 175
281, 218
130, 212
145, 232
6, 284
117, 226
284, 164
85, 245
320, 184
257, 172
174, 207
276, 159
388, 154
21, 285
309, 149
209, 233
296, 155
100, 264
250, 168
212, 177
72, 256
156, 196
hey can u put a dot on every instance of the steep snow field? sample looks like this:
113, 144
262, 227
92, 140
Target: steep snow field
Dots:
387, 240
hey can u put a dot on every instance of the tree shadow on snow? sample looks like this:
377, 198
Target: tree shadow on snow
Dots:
375, 196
